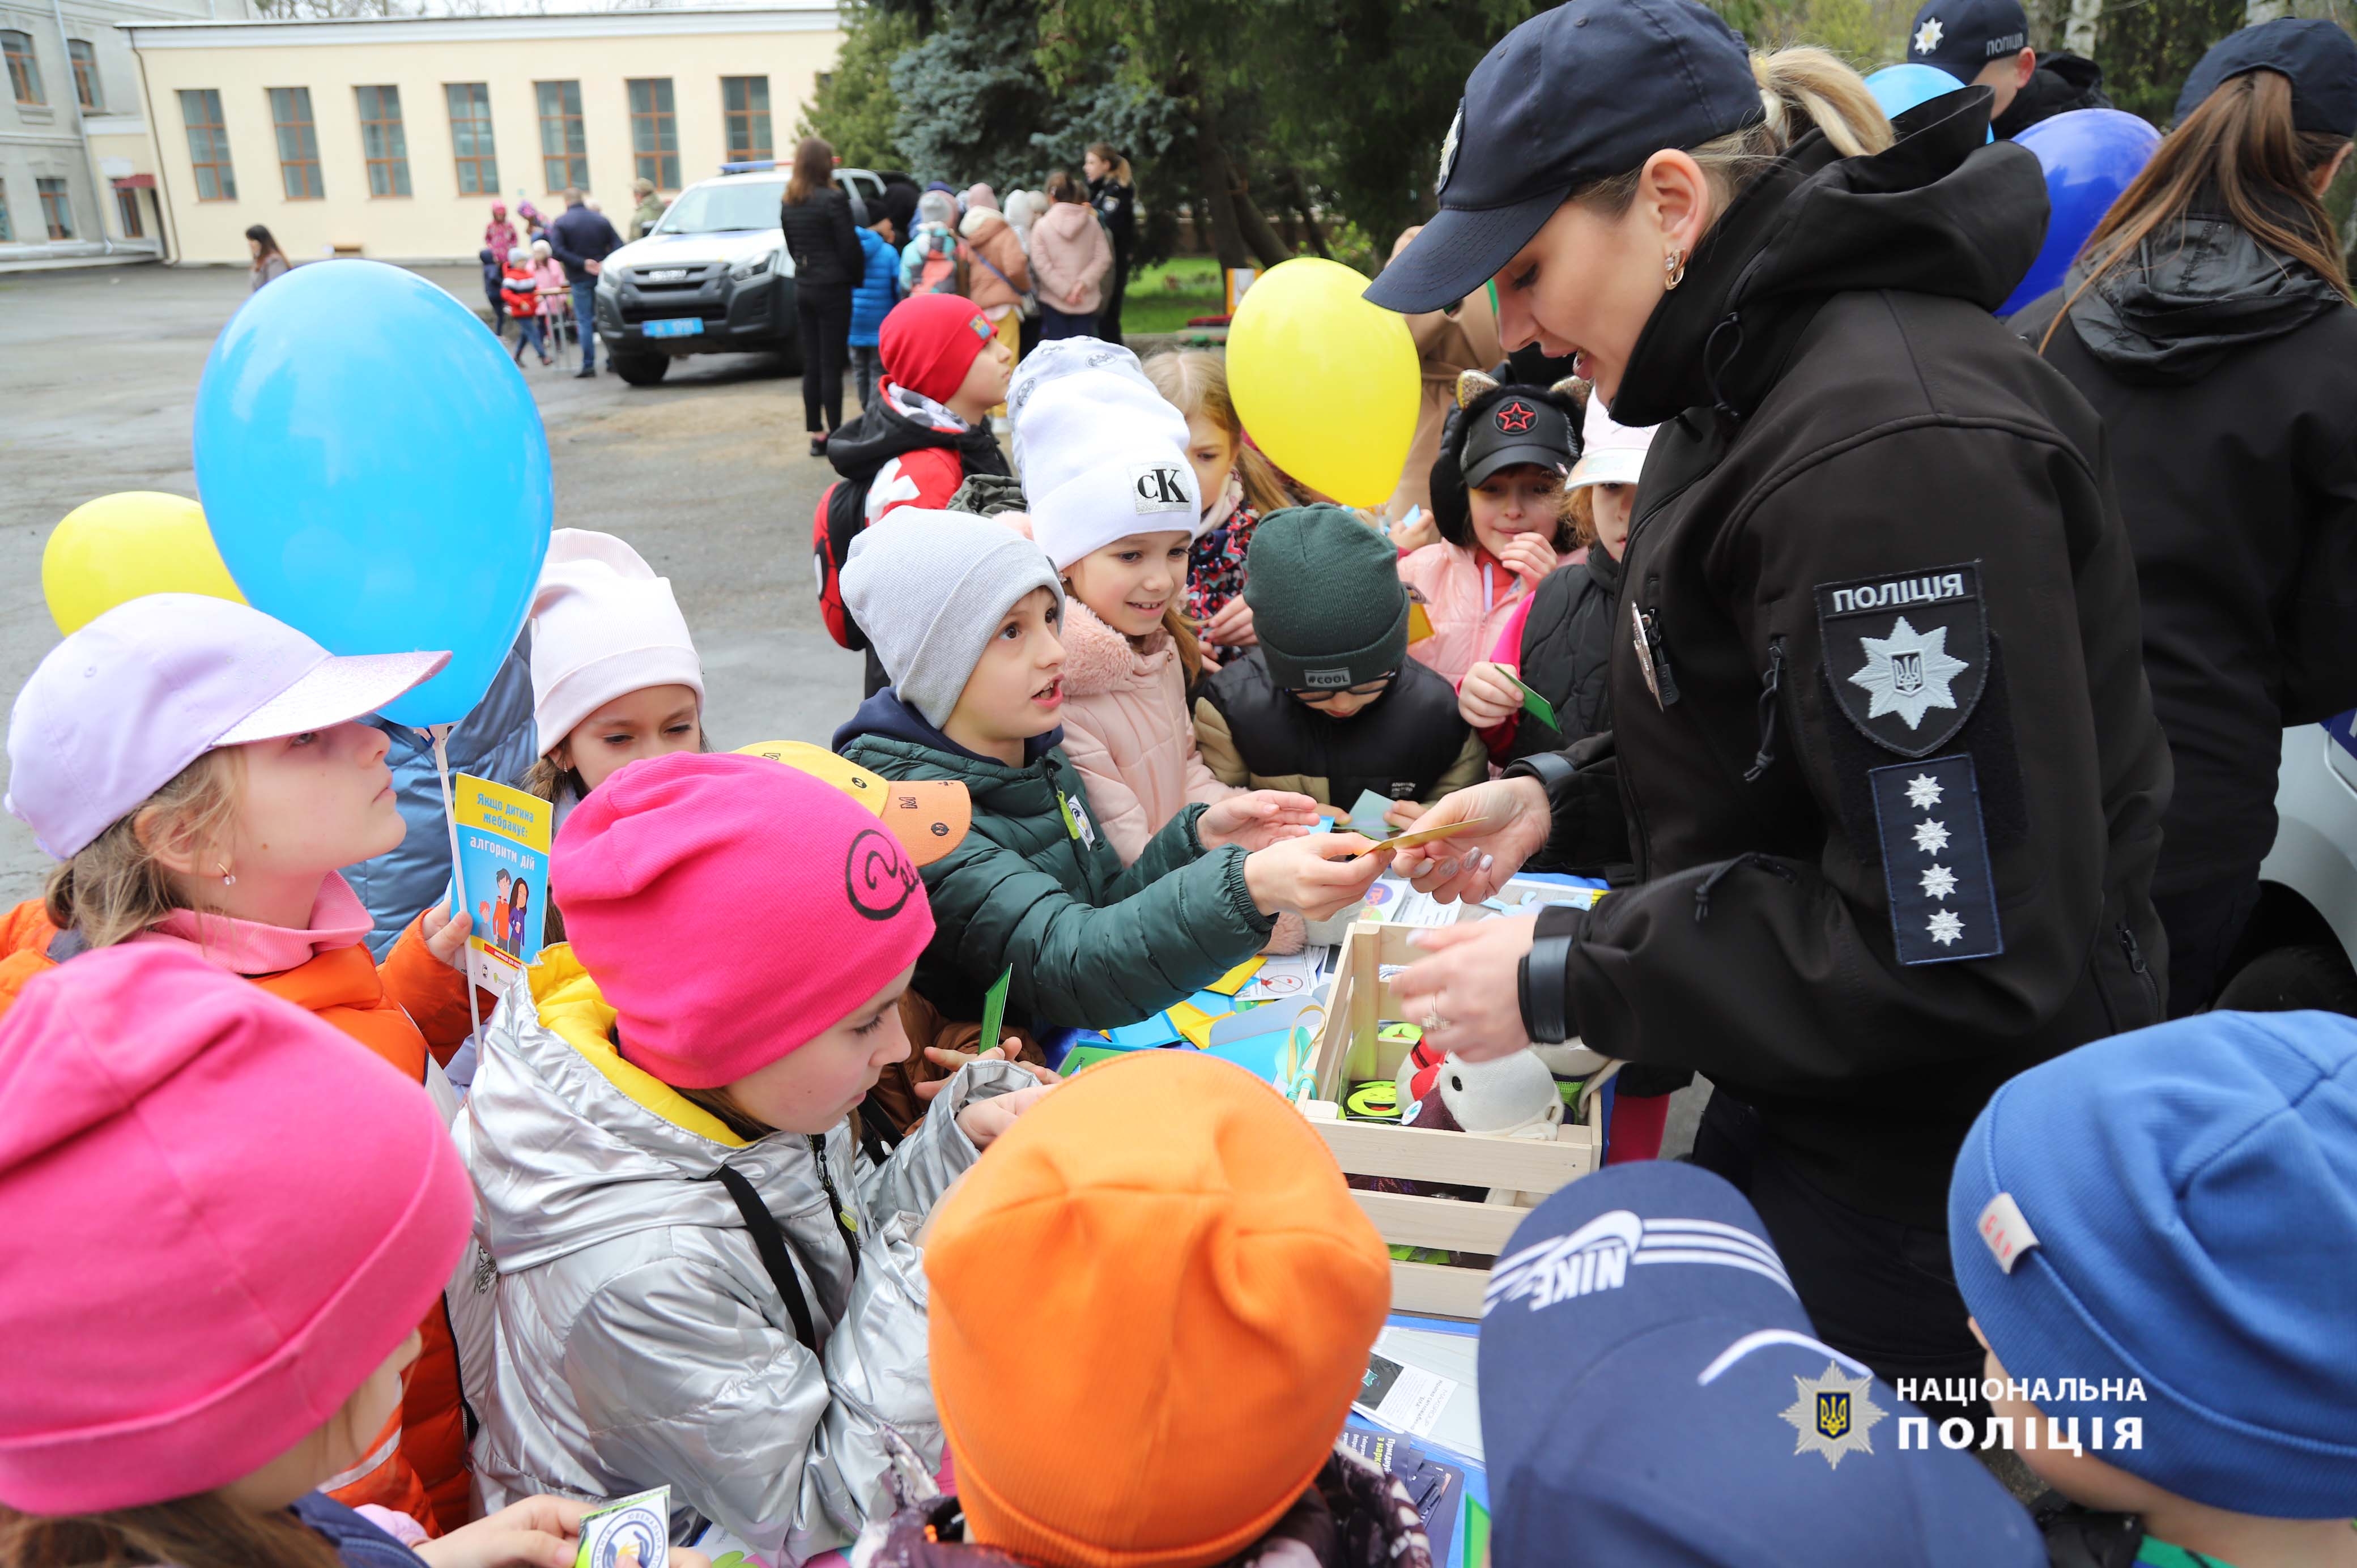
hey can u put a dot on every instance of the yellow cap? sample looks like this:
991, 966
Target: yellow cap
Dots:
929, 817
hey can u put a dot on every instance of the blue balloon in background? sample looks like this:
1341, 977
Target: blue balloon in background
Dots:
375, 473
2091, 156
1899, 88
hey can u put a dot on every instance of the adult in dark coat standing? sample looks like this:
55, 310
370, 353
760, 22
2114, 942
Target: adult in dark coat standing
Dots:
824, 243
1113, 191
582, 239
2209, 323
1882, 749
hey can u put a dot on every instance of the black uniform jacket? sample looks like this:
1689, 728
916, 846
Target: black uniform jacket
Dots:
1891, 768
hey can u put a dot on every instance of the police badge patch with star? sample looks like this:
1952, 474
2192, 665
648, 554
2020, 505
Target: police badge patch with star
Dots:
1907, 655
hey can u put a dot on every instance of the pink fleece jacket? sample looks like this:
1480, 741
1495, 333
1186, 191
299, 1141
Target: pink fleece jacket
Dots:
1069, 258
1127, 730
1469, 601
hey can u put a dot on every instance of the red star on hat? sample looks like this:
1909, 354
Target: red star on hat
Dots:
1515, 417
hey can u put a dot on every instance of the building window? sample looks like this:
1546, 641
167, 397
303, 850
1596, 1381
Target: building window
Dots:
200, 110
24, 70
298, 144
655, 133
382, 142
471, 138
56, 210
745, 105
8, 224
564, 150
127, 207
85, 69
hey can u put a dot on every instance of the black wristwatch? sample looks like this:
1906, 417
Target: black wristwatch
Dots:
1544, 980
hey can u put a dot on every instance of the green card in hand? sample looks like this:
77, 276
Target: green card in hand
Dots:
1538, 707
994, 1011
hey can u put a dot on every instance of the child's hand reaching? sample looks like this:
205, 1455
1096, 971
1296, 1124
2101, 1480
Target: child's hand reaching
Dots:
538, 1532
1256, 819
985, 1119
1314, 876
445, 934
1529, 557
1403, 814
942, 1057
1232, 627
1487, 698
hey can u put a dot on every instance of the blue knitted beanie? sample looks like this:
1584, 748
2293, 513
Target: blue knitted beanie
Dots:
2178, 1206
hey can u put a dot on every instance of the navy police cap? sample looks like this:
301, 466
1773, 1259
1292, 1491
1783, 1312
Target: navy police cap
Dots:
1961, 36
2320, 59
1580, 94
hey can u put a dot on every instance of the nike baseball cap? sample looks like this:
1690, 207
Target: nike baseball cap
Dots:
118, 709
1639, 1331
1576, 94
1961, 36
929, 817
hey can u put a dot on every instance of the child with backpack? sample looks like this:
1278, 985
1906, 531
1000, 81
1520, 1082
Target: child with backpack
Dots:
1215, 1292
928, 261
252, 1217
198, 771
686, 1271
944, 371
879, 290
1505, 458
965, 612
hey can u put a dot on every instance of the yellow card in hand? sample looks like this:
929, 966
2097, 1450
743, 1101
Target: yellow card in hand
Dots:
1415, 836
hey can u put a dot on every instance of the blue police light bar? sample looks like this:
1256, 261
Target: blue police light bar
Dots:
751, 166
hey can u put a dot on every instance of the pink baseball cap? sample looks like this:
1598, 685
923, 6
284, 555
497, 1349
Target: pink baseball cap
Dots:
116, 710
1611, 453
222, 1214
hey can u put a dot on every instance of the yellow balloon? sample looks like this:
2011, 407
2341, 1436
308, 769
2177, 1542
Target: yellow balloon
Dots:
1325, 383
121, 547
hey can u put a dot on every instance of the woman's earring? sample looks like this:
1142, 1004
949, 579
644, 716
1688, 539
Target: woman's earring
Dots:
1673, 269
228, 877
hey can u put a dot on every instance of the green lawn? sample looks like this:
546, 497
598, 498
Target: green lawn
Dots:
1164, 298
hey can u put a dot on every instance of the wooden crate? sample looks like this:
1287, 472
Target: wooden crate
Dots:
1519, 1172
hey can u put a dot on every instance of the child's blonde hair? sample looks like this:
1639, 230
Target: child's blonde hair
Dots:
116, 886
1579, 510
1195, 382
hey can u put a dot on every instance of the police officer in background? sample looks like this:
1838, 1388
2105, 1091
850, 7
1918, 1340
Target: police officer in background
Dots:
1985, 43
1884, 755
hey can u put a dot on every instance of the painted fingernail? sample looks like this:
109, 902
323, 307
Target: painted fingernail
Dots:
1488, 861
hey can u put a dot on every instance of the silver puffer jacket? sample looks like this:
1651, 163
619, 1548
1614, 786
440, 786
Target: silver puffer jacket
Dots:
616, 1327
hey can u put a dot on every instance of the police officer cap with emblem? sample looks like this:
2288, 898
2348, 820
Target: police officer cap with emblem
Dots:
1883, 756
1981, 43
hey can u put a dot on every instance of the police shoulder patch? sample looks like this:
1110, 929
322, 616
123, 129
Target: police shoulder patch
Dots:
1907, 656
1935, 861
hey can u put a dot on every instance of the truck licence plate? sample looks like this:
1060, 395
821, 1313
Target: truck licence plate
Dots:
675, 326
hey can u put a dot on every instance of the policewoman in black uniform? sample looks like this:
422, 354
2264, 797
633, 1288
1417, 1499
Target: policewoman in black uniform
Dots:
1883, 753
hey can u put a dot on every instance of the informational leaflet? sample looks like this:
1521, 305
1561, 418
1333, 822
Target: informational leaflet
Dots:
503, 842
629, 1533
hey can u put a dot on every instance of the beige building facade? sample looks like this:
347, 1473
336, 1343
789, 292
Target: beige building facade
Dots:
390, 137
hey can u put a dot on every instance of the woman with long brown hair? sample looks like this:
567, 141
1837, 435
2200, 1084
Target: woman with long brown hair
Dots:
2208, 319
824, 245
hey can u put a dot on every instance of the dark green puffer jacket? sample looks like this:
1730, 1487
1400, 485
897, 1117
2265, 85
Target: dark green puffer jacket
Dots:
1091, 945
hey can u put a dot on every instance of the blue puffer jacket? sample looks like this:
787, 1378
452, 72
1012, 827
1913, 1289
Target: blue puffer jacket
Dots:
497, 741
878, 288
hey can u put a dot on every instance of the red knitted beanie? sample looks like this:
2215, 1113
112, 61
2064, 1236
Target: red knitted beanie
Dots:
928, 341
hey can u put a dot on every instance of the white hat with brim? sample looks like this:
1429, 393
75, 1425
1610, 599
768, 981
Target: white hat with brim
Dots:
119, 708
1610, 452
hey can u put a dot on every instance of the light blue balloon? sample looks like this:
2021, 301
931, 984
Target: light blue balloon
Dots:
2091, 156
1899, 88
374, 471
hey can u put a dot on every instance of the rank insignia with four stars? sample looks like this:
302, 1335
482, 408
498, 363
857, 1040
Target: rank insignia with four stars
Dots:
1935, 861
1907, 656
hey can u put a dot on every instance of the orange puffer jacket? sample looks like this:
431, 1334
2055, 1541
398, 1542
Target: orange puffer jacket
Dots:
418, 1465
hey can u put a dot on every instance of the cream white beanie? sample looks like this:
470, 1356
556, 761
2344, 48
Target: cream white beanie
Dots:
1101, 455
603, 626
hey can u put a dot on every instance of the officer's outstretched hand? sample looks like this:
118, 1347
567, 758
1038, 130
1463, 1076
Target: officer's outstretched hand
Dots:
1515, 822
1467, 994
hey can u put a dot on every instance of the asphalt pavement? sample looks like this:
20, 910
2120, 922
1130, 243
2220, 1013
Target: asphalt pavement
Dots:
707, 473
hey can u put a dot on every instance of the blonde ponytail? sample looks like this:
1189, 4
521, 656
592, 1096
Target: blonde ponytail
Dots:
1802, 88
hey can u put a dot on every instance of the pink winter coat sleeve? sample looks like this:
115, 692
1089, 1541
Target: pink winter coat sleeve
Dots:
1127, 729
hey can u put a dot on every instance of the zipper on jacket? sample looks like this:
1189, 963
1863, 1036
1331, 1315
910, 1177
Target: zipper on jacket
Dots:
1769, 685
1704, 888
844, 1220
2135, 950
